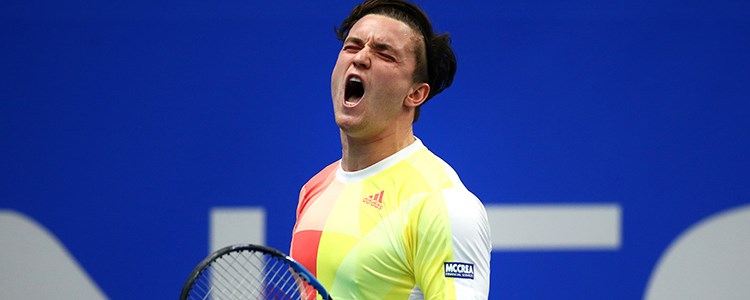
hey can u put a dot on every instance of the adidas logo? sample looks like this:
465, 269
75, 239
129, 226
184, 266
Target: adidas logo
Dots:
375, 200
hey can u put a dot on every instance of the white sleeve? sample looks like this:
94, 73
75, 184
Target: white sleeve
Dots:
471, 241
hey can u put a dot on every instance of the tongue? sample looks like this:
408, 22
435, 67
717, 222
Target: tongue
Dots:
352, 100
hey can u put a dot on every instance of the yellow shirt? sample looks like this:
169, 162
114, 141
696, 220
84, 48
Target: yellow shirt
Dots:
403, 228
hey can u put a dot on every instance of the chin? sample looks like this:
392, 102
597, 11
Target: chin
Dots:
348, 124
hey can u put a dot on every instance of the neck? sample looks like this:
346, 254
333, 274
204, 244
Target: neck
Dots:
360, 153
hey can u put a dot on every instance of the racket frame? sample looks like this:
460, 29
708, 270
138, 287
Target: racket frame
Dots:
298, 269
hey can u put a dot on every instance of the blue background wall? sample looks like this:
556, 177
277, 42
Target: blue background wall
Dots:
123, 122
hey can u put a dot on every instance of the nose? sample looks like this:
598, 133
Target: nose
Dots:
362, 58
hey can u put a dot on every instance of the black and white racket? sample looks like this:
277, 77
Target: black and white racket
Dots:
251, 272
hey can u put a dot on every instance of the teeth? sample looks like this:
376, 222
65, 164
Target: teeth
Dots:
355, 79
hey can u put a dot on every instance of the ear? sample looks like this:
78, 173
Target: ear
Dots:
418, 94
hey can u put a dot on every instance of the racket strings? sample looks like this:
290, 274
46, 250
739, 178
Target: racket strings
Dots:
250, 275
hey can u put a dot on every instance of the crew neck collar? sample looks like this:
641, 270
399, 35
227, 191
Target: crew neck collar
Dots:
386, 163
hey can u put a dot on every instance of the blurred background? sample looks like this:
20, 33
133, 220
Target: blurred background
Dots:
126, 127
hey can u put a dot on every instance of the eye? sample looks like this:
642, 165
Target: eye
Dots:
351, 48
386, 56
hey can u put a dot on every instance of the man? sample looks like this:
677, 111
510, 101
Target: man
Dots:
390, 220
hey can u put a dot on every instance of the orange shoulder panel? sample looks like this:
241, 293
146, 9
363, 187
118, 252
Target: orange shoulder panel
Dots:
316, 185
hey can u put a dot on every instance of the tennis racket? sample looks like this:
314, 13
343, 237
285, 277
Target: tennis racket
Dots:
246, 271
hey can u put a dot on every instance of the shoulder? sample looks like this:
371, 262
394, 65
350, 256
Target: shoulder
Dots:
446, 194
317, 184
440, 174
324, 175
462, 207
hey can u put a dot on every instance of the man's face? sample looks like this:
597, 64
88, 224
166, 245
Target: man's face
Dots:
373, 75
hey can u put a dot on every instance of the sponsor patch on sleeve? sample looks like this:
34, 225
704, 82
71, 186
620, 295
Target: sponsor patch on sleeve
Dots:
459, 270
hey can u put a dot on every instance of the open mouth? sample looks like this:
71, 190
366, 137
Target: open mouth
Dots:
354, 90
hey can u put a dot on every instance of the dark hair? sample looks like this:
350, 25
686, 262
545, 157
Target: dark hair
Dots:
439, 65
